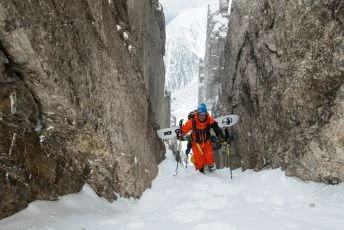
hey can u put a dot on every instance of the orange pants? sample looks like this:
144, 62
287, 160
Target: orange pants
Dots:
203, 154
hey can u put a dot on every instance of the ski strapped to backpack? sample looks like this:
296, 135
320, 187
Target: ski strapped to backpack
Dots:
201, 133
223, 121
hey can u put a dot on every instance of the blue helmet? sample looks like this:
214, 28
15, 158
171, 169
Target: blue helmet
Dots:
202, 108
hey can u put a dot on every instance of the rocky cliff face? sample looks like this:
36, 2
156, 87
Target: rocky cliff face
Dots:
285, 75
147, 23
74, 107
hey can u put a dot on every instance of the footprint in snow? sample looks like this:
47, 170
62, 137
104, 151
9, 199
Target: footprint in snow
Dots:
187, 216
216, 225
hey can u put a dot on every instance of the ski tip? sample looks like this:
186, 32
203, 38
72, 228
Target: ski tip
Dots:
226, 121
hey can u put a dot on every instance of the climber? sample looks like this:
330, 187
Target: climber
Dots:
202, 147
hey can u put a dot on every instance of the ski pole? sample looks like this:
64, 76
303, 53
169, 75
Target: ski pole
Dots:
179, 144
186, 160
176, 171
230, 160
178, 155
228, 152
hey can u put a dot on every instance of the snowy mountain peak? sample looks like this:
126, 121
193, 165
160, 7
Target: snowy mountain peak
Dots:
185, 44
190, 25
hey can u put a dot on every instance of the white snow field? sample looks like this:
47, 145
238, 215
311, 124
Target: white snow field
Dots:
192, 201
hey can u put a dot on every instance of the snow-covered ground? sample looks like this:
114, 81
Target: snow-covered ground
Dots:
193, 201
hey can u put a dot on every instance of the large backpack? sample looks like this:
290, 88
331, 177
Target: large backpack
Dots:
191, 114
215, 141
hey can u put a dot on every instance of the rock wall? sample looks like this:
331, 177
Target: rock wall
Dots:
285, 75
74, 107
148, 30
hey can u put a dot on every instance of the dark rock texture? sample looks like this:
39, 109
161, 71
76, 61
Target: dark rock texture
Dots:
285, 75
148, 29
74, 107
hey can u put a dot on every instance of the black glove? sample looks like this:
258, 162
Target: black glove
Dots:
179, 134
181, 123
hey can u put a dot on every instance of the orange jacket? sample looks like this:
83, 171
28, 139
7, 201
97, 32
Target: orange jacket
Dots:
201, 131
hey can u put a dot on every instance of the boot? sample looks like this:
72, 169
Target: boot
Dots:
212, 168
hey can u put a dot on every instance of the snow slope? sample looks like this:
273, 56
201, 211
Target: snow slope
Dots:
190, 25
185, 44
192, 201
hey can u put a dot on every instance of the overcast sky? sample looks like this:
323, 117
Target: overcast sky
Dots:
173, 7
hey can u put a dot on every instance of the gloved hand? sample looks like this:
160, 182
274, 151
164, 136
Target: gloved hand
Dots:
179, 134
181, 123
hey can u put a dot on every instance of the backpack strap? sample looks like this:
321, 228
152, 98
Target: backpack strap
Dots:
207, 128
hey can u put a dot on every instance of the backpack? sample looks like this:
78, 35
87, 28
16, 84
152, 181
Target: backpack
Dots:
191, 114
